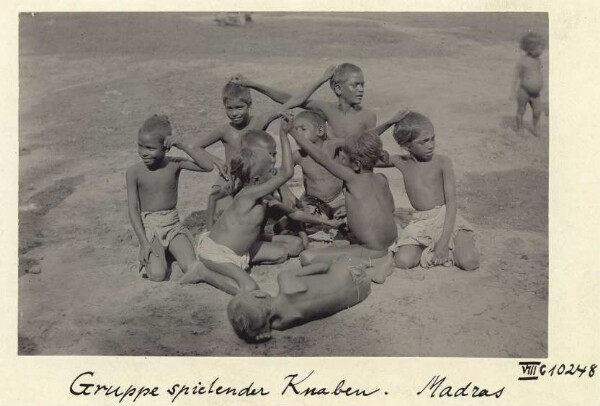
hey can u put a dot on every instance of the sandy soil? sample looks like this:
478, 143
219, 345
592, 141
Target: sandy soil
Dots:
86, 84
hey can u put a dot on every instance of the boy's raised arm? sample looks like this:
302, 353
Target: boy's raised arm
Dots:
263, 121
383, 127
274, 94
206, 140
286, 171
203, 161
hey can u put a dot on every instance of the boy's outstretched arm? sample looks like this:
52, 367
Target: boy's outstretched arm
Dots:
383, 127
441, 253
133, 205
274, 94
262, 122
203, 161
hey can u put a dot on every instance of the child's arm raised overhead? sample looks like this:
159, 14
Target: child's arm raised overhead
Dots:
262, 122
285, 172
440, 251
380, 129
274, 94
203, 161
206, 140
133, 205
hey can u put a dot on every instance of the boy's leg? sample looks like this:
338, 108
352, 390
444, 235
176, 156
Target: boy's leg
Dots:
522, 100
536, 107
182, 249
229, 270
199, 273
465, 253
295, 244
328, 255
156, 268
408, 256
268, 253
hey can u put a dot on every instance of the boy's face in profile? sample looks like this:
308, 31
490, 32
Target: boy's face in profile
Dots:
352, 89
151, 149
307, 129
423, 146
237, 111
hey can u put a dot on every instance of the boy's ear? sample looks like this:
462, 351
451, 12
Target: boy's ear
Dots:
337, 89
356, 166
321, 131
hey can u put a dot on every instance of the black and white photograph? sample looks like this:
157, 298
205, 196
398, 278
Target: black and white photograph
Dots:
290, 184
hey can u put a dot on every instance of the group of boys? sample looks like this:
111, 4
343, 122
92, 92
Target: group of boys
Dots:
339, 148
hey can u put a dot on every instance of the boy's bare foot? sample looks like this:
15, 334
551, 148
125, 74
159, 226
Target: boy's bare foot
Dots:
381, 269
193, 276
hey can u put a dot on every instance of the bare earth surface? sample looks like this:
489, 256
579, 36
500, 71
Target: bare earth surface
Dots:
86, 84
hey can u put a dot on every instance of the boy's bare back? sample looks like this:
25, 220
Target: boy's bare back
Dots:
370, 208
424, 181
305, 298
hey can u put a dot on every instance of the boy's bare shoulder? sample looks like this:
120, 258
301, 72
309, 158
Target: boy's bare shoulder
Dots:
134, 169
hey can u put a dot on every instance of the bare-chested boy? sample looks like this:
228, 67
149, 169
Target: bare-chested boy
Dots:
436, 235
152, 199
310, 293
346, 117
238, 101
369, 203
528, 80
233, 243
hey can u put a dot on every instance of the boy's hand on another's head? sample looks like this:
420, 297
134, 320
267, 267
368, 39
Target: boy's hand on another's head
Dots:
287, 117
399, 116
239, 79
329, 72
173, 141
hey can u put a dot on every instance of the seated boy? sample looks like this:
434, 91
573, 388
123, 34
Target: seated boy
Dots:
346, 117
233, 243
310, 293
323, 191
436, 235
152, 200
238, 101
369, 203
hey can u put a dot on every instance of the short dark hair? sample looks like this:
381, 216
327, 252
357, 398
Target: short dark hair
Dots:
314, 117
257, 138
157, 126
366, 148
341, 73
233, 91
242, 315
410, 127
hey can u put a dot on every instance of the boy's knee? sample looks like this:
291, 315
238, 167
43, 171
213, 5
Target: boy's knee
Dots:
156, 275
306, 258
402, 261
469, 262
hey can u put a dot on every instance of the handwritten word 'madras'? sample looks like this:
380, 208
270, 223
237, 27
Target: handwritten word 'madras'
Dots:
296, 386
466, 390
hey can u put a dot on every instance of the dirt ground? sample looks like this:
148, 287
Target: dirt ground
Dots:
88, 81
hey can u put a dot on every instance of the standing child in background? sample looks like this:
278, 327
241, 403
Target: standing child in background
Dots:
238, 101
152, 200
347, 117
369, 203
310, 293
436, 235
528, 80
234, 241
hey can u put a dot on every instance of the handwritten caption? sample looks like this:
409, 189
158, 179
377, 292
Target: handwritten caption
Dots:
294, 384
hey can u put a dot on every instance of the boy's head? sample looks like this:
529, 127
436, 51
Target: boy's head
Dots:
252, 166
533, 44
361, 153
151, 139
348, 83
249, 314
311, 125
415, 133
237, 102
261, 140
